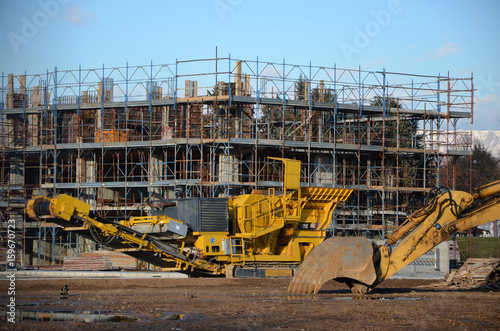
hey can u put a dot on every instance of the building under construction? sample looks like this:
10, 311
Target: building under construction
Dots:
121, 138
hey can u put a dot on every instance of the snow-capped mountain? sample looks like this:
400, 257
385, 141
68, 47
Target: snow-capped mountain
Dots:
492, 227
489, 139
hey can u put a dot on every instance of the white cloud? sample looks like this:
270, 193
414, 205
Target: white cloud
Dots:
447, 49
380, 62
487, 113
488, 100
77, 15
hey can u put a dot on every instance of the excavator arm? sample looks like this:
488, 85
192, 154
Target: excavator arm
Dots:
362, 265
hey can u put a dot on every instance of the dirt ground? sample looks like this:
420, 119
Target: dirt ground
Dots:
253, 304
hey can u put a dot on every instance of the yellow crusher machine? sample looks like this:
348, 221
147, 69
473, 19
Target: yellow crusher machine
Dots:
253, 235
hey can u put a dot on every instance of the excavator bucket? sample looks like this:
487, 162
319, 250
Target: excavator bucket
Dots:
348, 260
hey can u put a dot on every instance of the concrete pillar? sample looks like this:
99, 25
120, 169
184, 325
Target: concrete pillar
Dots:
90, 177
187, 88
322, 176
88, 174
34, 120
85, 245
228, 168
34, 130
46, 95
99, 136
16, 174
22, 84
22, 90
99, 91
85, 97
98, 128
10, 91
155, 168
36, 245
246, 91
237, 78
43, 250
222, 88
155, 174
8, 132
191, 88
443, 257
170, 193
195, 88
104, 90
80, 169
322, 90
164, 122
35, 100
368, 173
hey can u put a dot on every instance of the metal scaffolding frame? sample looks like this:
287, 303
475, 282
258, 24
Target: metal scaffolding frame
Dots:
120, 137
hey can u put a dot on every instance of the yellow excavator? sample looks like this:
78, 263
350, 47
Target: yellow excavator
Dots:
362, 265
266, 233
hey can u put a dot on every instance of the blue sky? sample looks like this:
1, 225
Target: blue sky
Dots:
421, 37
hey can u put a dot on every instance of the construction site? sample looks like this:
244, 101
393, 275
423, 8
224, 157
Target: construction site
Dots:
121, 138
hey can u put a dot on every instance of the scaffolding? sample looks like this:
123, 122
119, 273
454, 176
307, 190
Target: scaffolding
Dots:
121, 137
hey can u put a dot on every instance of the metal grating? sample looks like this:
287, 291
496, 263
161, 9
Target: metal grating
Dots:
214, 215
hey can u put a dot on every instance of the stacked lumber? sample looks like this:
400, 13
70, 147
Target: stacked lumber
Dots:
476, 273
118, 260
100, 260
80, 263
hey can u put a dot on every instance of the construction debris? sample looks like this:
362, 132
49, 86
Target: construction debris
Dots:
476, 273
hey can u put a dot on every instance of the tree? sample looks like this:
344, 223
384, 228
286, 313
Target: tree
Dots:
300, 88
408, 126
389, 102
327, 95
485, 168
